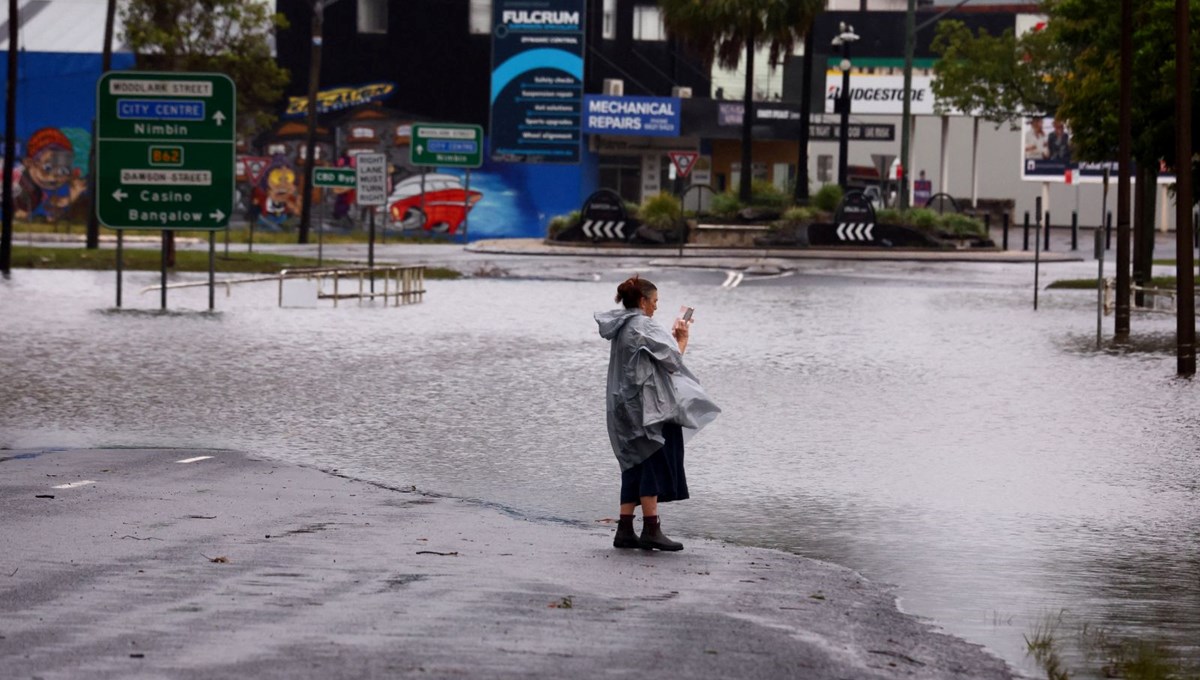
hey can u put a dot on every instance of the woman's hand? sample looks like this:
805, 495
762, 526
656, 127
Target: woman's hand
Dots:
681, 335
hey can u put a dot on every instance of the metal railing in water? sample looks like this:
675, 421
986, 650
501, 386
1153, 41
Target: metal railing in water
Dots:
404, 284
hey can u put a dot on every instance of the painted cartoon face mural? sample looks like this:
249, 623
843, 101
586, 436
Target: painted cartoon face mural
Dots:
278, 195
50, 183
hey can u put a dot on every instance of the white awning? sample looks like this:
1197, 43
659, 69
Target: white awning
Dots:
61, 26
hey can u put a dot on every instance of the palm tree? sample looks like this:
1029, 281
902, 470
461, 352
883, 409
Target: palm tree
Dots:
724, 30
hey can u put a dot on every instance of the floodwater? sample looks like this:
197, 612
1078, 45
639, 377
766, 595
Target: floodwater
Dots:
920, 424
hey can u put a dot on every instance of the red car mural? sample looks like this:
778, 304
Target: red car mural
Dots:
445, 205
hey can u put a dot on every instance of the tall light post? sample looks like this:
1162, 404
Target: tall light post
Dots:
845, 36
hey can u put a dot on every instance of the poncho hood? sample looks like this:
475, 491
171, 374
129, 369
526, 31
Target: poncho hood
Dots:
648, 385
612, 320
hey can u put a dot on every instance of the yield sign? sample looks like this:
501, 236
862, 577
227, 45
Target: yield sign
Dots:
683, 160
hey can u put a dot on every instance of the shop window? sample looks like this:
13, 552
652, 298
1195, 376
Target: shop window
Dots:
648, 23
372, 16
479, 20
609, 30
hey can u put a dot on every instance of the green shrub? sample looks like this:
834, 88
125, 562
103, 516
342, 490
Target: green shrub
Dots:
726, 204
661, 211
827, 198
890, 216
560, 223
923, 218
962, 225
764, 194
631, 209
800, 214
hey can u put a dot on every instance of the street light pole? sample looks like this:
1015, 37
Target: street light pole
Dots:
844, 38
910, 38
310, 141
1185, 279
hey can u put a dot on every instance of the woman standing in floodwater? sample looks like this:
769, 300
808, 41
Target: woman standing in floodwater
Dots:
651, 397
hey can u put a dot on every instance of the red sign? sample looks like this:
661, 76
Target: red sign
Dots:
683, 160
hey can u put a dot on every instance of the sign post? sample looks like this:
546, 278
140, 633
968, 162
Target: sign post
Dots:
450, 146
330, 178
371, 190
165, 151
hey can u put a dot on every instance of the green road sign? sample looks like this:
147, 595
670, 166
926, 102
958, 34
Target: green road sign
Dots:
447, 145
165, 150
338, 178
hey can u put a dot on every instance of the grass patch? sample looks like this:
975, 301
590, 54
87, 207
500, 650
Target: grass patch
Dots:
1168, 282
240, 234
137, 259
1104, 651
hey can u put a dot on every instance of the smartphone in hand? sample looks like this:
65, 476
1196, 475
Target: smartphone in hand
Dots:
685, 316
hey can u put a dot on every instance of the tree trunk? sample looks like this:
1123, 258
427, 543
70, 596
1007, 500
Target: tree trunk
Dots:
801, 192
93, 221
10, 133
747, 125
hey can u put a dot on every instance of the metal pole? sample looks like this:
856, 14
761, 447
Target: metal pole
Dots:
10, 141
1108, 231
1185, 277
1047, 223
1104, 208
1037, 254
844, 128
801, 193
467, 208
910, 35
371, 250
212, 269
1124, 166
1074, 230
1099, 239
975, 162
320, 232
424, 211
1025, 244
120, 262
1006, 220
165, 236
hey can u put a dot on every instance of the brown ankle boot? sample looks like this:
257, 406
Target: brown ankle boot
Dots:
653, 538
626, 537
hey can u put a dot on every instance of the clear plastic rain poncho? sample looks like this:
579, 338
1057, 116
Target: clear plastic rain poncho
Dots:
648, 385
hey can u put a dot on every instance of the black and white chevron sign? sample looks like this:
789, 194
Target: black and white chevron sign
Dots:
855, 231
604, 229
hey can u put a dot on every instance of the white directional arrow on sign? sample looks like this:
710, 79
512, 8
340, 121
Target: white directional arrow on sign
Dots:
855, 231
219, 117
604, 229
217, 215
119, 195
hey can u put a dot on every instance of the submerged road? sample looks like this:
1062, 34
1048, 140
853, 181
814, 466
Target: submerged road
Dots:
135, 563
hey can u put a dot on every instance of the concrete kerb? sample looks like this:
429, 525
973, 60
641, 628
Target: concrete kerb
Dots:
675, 255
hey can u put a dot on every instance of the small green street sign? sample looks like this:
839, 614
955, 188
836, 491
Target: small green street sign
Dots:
165, 150
446, 145
337, 178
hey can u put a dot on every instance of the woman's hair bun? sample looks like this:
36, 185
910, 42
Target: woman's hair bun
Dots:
632, 290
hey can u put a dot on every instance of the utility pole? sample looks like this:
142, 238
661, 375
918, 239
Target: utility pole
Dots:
744, 180
1185, 309
93, 223
910, 39
801, 192
1124, 161
310, 143
10, 142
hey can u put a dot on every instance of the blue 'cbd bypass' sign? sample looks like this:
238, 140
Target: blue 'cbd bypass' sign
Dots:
537, 80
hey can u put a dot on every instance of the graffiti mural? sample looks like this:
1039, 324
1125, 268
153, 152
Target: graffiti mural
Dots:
51, 182
278, 194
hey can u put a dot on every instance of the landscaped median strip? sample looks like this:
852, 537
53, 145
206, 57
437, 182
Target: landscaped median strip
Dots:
193, 460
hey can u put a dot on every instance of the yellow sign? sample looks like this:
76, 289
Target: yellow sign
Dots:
341, 98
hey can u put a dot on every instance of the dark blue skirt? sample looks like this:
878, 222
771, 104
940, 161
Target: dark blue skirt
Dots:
659, 475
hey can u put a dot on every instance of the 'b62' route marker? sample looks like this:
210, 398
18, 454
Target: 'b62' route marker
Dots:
165, 145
